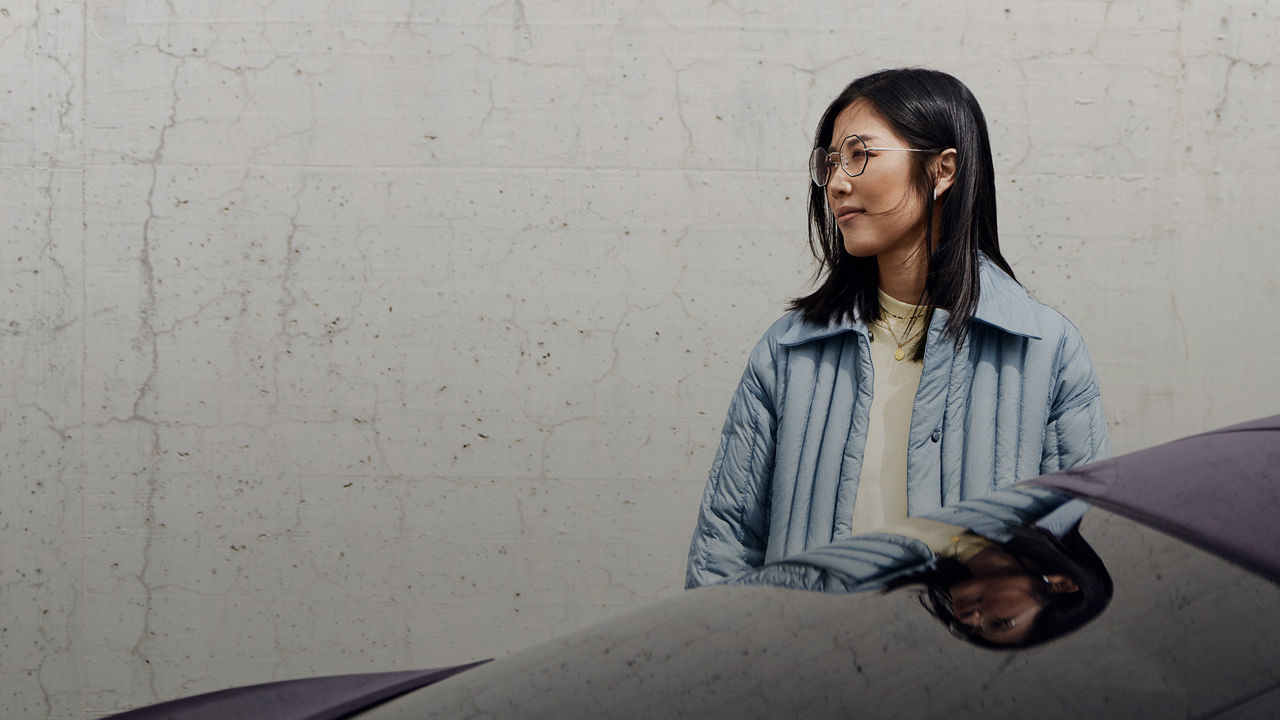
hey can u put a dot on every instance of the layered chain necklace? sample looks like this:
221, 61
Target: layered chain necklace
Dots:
907, 334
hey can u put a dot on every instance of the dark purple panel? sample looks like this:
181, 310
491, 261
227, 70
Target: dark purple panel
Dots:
1219, 490
324, 698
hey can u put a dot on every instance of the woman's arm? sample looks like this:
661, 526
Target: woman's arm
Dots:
875, 560
1076, 432
732, 529
864, 562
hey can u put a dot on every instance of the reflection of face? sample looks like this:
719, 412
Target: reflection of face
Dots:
880, 212
1001, 609
1001, 600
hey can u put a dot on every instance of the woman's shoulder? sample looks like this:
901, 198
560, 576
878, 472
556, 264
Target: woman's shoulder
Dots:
767, 347
786, 334
1005, 304
794, 328
1055, 346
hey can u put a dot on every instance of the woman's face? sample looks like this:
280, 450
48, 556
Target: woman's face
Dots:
880, 213
1001, 601
999, 609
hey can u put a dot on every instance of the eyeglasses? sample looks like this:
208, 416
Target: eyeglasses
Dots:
851, 157
994, 625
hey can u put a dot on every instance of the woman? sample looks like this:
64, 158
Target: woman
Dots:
919, 373
1007, 570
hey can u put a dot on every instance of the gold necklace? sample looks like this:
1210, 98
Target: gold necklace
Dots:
900, 317
898, 354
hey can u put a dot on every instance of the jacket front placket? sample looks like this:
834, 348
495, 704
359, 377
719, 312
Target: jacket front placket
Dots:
855, 440
938, 407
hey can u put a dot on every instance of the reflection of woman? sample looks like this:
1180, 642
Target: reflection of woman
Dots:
1008, 569
919, 373
1028, 590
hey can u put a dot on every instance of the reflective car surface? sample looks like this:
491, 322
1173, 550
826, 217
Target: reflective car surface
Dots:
1186, 635
1188, 535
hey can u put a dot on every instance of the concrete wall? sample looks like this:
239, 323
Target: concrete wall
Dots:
378, 334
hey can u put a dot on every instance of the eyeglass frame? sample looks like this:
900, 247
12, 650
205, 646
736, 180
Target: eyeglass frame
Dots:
987, 627
831, 164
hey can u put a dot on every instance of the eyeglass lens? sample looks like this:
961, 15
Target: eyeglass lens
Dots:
819, 167
853, 160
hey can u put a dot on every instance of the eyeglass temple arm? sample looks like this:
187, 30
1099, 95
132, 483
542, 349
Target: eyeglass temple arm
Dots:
905, 149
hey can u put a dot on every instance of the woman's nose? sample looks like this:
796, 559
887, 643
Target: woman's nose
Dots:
839, 183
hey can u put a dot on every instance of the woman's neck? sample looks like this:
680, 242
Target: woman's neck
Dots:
902, 272
904, 278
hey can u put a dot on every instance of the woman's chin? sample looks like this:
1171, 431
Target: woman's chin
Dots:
859, 249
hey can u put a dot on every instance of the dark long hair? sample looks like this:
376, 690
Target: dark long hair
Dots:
1040, 553
928, 109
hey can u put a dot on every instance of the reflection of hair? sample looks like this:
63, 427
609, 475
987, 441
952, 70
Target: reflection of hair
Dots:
1042, 554
928, 109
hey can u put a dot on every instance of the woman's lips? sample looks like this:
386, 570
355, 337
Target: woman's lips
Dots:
847, 214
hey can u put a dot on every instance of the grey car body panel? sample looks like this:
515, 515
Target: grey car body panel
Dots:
1219, 490
1186, 635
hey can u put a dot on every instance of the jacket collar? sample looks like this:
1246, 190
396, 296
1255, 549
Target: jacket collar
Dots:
1002, 304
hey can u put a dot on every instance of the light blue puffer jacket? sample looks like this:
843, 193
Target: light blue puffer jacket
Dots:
1019, 399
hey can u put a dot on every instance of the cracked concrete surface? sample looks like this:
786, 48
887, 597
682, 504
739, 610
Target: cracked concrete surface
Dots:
361, 336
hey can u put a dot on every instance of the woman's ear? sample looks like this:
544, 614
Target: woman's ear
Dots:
1060, 584
944, 172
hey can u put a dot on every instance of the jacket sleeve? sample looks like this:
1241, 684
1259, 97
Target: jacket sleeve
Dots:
733, 518
875, 560
865, 562
998, 514
1076, 431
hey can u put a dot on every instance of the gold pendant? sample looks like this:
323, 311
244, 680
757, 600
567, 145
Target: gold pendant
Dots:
898, 354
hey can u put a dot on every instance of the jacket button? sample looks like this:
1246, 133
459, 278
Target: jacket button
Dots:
936, 436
